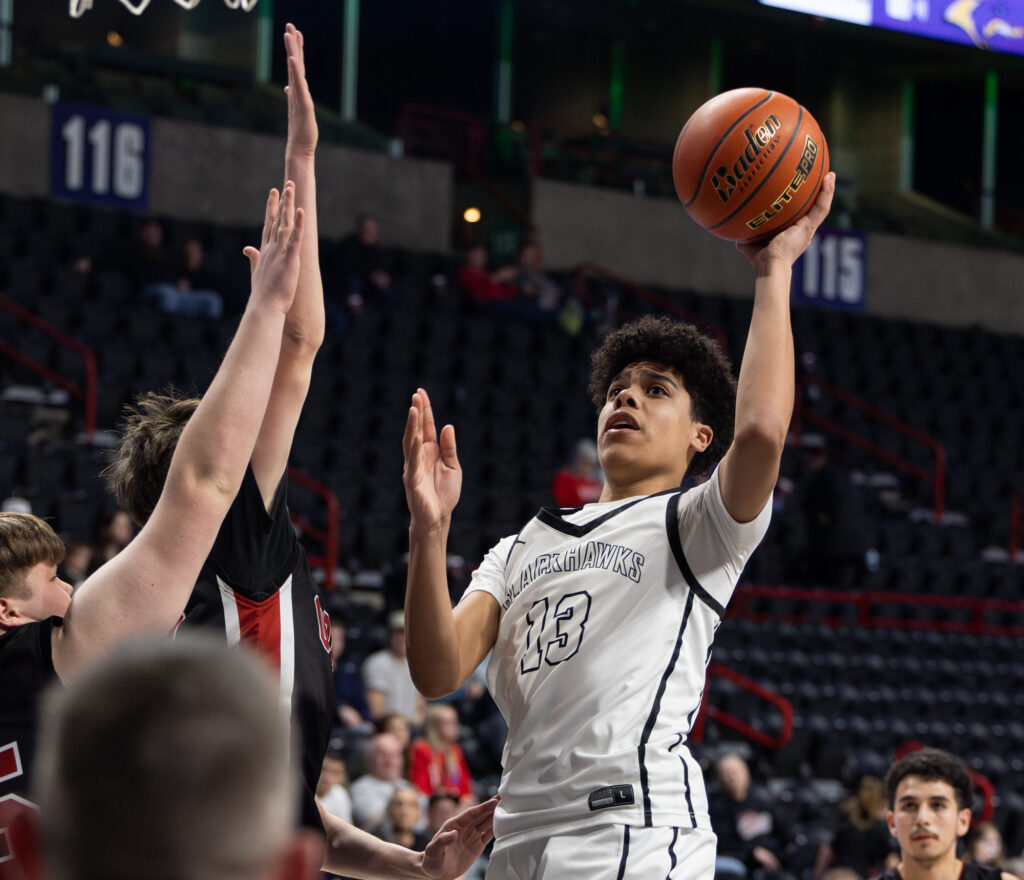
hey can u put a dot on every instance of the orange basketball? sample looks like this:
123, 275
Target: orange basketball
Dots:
748, 163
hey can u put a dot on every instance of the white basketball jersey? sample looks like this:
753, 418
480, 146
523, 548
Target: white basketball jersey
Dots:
608, 613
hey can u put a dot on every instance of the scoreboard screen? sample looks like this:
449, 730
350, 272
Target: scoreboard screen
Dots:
996, 25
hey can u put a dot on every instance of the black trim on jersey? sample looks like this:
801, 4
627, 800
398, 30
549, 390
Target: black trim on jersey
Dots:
655, 709
672, 527
672, 854
625, 853
686, 789
517, 540
552, 516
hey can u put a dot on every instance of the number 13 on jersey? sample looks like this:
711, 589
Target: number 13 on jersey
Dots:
554, 630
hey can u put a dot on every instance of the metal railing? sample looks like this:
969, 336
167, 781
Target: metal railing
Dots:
85, 392
712, 712
936, 478
327, 536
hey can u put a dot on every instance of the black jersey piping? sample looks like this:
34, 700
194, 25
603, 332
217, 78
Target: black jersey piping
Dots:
625, 853
672, 527
552, 516
672, 854
653, 717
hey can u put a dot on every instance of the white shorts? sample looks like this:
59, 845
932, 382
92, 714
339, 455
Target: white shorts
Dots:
610, 852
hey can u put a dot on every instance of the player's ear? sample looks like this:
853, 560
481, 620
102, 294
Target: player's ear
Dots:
702, 437
9, 612
963, 821
890, 820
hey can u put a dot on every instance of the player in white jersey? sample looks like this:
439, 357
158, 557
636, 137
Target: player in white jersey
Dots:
601, 618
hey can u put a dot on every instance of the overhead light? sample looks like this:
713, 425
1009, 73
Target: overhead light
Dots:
471, 215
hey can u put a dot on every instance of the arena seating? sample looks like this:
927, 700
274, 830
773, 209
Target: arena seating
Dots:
516, 392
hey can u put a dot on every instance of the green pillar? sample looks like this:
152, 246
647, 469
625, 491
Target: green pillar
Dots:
715, 67
264, 40
616, 86
503, 71
990, 135
350, 61
907, 137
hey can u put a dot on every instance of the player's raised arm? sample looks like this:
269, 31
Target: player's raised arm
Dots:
304, 326
764, 393
145, 587
443, 647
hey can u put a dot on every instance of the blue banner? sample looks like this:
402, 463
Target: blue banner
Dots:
997, 25
99, 156
832, 270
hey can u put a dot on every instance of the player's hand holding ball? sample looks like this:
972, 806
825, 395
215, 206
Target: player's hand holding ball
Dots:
751, 166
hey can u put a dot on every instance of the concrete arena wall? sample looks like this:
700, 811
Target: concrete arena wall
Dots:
648, 240
653, 241
221, 175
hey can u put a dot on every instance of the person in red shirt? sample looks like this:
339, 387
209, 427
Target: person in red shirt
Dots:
483, 286
581, 481
436, 761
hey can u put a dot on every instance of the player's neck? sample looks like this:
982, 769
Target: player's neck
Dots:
614, 491
947, 867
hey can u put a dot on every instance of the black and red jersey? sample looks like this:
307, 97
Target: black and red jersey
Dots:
256, 586
26, 670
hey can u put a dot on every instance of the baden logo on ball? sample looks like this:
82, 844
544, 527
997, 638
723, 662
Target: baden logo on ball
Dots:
749, 163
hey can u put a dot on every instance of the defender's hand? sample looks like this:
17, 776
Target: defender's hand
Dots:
302, 128
275, 266
459, 842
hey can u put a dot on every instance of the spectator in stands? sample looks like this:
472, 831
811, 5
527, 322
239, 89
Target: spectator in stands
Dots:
115, 533
834, 516
350, 707
144, 727
983, 845
580, 481
404, 815
750, 841
532, 284
364, 267
372, 791
398, 726
77, 563
929, 795
195, 275
155, 275
330, 789
861, 840
436, 761
387, 679
440, 808
482, 286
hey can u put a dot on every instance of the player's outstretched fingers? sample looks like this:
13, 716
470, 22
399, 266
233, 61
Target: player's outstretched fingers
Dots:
411, 443
429, 428
285, 221
449, 454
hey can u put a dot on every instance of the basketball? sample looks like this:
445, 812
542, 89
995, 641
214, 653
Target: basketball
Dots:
748, 163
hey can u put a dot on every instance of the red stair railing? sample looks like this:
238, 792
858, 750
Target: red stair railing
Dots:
85, 392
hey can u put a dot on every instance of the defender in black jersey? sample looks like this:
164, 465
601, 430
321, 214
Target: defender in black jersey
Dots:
930, 794
46, 634
256, 585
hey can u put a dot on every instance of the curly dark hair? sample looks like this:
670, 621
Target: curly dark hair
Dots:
150, 433
931, 764
706, 371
